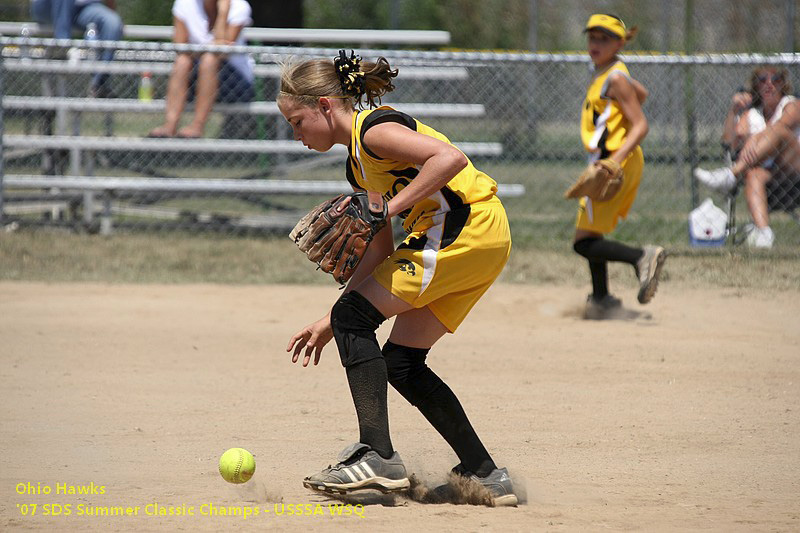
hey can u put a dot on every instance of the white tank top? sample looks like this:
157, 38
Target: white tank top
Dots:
756, 121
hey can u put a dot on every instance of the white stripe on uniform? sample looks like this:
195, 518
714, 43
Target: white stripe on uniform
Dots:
434, 241
600, 126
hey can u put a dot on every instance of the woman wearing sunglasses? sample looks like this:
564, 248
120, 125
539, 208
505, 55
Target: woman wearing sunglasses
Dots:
762, 132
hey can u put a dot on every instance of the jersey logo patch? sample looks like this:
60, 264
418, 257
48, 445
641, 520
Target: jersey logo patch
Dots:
407, 266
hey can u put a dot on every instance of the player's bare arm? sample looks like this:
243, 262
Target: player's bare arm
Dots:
790, 119
734, 130
622, 90
439, 161
221, 30
641, 91
380, 248
313, 337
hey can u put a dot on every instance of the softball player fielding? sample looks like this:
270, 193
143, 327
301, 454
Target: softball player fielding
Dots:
458, 242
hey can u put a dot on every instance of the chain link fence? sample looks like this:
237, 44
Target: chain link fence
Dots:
555, 25
690, 26
73, 159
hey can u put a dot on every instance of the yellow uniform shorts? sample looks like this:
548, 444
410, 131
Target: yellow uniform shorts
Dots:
603, 217
449, 266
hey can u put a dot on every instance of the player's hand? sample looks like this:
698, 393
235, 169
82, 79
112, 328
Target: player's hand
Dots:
748, 153
313, 338
741, 101
222, 42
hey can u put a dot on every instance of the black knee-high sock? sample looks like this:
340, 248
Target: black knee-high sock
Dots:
368, 384
418, 384
354, 321
599, 271
444, 412
599, 251
598, 248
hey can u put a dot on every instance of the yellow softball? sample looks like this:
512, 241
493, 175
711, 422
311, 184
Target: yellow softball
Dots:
237, 465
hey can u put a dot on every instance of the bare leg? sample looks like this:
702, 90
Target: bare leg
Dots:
771, 143
789, 158
207, 84
418, 328
405, 353
176, 95
755, 190
384, 301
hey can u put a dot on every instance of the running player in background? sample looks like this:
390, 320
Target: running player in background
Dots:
458, 242
612, 126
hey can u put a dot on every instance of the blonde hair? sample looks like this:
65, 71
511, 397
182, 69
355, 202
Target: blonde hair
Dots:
308, 81
631, 34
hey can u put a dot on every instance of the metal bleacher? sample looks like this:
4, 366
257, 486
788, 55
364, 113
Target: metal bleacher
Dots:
271, 35
78, 185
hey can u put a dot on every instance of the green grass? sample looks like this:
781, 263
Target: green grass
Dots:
63, 256
542, 225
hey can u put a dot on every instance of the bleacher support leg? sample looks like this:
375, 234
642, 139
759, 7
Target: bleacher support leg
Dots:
105, 218
88, 208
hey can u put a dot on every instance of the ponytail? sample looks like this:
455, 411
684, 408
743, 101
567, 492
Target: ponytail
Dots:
347, 78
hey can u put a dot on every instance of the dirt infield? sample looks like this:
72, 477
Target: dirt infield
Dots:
682, 416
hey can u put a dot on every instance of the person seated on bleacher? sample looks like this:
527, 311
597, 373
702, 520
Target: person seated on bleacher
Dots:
213, 77
65, 15
763, 128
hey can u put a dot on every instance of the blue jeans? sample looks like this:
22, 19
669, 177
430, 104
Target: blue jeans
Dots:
64, 16
233, 87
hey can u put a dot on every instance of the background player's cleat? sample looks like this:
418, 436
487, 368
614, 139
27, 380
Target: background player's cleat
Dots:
721, 179
602, 308
498, 483
760, 237
359, 467
648, 270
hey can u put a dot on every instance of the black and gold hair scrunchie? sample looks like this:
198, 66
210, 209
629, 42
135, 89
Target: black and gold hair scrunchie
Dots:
350, 75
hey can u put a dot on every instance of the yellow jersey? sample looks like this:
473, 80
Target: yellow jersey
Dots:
369, 172
603, 126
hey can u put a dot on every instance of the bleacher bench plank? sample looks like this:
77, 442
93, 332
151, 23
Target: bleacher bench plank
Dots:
255, 108
70, 142
165, 67
274, 35
216, 186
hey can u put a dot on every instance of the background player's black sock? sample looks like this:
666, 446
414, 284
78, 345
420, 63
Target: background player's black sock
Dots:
418, 384
598, 248
368, 384
599, 271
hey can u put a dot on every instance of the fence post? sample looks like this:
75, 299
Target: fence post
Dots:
689, 89
533, 25
2, 133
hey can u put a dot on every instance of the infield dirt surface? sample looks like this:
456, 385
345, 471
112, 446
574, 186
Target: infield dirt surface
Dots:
682, 415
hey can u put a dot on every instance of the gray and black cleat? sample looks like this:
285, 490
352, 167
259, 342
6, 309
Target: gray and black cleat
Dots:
359, 467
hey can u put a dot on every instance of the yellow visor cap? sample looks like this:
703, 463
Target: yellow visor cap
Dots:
607, 23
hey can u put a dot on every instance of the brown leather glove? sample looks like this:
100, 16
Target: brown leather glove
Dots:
599, 181
336, 233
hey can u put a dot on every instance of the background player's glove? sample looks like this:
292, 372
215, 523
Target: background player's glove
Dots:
599, 181
336, 233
